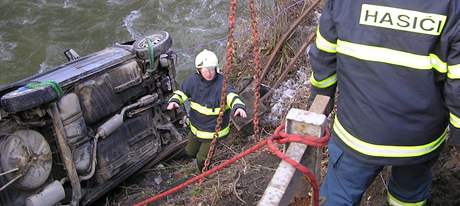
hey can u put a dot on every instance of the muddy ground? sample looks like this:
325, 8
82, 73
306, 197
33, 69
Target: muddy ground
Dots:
445, 190
446, 179
243, 183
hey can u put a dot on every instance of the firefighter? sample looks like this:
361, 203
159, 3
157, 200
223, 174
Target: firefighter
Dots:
396, 65
201, 90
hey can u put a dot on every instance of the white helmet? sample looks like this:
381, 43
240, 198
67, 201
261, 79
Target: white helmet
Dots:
206, 58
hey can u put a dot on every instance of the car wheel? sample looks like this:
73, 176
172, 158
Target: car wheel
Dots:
24, 98
28, 151
161, 42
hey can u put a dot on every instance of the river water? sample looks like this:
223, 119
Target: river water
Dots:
35, 33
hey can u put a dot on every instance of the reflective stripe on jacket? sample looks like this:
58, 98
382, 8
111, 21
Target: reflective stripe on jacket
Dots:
397, 66
204, 99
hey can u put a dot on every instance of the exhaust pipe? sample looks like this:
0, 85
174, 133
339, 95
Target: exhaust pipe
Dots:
113, 124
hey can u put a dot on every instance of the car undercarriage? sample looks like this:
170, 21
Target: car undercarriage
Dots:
71, 134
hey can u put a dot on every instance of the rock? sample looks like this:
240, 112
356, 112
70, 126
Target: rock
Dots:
158, 180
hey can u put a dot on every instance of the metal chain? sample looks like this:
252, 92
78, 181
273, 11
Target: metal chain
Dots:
257, 70
227, 66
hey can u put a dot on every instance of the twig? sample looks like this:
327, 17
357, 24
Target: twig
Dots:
304, 5
216, 196
263, 167
126, 192
217, 191
235, 153
163, 168
133, 188
260, 189
456, 154
383, 181
255, 180
234, 188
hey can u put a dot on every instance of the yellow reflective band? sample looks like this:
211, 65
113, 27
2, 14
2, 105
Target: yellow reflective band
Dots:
438, 64
230, 97
402, 19
323, 44
454, 120
208, 135
205, 110
233, 97
392, 201
331, 80
391, 56
386, 150
237, 101
181, 96
384, 55
454, 72
175, 96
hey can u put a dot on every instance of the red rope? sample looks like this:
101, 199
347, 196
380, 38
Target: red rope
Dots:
308, 140
203, 175
278, 137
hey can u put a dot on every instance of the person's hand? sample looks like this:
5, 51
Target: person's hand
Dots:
172, 105
240, 112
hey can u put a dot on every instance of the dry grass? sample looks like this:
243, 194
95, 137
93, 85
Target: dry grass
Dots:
240, 184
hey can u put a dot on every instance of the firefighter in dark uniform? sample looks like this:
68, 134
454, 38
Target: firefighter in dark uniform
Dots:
202, 91
396, 65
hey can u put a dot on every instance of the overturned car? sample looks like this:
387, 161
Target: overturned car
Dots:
69, 135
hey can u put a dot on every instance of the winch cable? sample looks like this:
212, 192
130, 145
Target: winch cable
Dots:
12, 180
277, 137
9, 171
227, 67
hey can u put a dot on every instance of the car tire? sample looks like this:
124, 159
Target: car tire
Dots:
24, 98
161, 41
29, 151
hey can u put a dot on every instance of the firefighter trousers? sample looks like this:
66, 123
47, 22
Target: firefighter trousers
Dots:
198, 148
347, 178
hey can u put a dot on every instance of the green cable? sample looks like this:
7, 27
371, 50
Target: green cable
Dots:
151, 56
54, 85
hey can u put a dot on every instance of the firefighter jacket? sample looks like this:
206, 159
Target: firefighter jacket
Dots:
396, 65
204, 99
